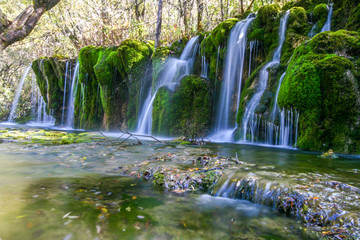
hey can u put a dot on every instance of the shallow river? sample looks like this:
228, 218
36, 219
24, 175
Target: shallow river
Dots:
64, 192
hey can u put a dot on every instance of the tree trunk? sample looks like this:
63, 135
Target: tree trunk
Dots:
11, 32
241, 6
222, 10
158, 24
200, 5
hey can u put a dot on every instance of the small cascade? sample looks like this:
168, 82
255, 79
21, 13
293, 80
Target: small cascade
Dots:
249, 188
250, 119
64, 97
41, 118
17, 95
253, 54
232, 80
327, 26
217, 60
204, 67
276, 107
172, 73
71, 101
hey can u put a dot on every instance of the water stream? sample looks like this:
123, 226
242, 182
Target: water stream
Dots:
251, 121
327, 26
171, 74
17, 95
233, 74
68, 192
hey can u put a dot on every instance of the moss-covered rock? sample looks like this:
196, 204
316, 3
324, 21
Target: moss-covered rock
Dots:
346, 15
185, 112
50, 76
214, 47
112, 76
322, 83
297, 30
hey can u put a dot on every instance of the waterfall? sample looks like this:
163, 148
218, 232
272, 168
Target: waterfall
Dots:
327, 26
17, 94
217, 61
249, 121
275, 107
253, 51
64, 97
70, 106
232, 79
204, 67
171, 74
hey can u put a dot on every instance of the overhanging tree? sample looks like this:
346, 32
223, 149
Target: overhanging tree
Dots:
24, 23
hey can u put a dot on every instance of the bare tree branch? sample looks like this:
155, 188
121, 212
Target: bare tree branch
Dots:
11, 32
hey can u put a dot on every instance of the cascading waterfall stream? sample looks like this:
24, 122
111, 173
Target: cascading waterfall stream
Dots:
233, 74
327, 26
17, 94
64, 97
250, 118
172, 73
276, 107
71, 102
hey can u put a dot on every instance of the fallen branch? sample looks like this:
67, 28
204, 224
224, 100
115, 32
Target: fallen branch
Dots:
130, 135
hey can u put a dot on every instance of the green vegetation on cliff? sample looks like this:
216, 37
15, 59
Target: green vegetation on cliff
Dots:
186, 111
322, 83
112, 76
50, 77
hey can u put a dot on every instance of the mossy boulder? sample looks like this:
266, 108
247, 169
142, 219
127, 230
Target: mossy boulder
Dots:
322, 84
265, 27
346, 15
214, 47
50, 77
112, 76
297, 30
187, 111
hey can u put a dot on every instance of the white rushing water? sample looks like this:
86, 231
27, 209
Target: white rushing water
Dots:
232, 80
251, 121
64, 96
71, 101
327, 26
171, 74
17, 95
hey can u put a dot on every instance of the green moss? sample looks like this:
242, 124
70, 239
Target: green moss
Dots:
218, 38
158, 59
50, 77
353, 23
111, 77
321, 84
185, 112
265, 27
159, 180
346, 15
297, 29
